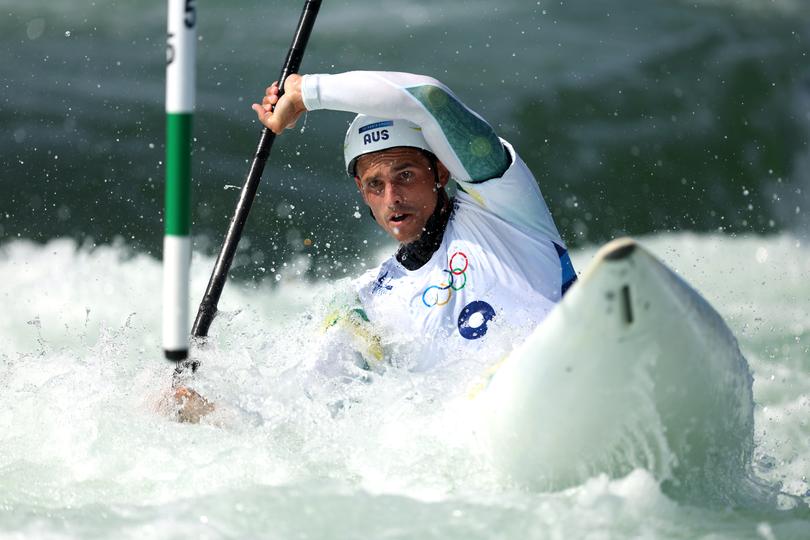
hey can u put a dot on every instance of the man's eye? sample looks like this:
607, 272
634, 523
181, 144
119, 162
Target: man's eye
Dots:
374, 185
406, 176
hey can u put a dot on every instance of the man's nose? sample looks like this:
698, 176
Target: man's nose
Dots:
394, 194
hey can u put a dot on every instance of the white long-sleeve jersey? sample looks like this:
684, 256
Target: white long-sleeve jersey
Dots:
501, 265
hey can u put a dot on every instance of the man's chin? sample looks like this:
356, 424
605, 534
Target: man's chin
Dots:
403, 237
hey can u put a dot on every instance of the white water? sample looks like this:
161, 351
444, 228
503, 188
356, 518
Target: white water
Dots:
85, 451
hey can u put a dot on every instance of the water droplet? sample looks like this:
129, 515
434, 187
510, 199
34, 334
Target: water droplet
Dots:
35, 28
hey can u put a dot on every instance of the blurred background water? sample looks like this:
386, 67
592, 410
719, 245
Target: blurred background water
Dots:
635, 116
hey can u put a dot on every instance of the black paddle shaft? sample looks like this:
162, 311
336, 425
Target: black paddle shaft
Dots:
208, 306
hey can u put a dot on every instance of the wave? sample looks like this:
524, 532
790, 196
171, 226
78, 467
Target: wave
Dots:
86, 434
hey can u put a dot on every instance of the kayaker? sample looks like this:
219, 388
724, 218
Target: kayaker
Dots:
489, 260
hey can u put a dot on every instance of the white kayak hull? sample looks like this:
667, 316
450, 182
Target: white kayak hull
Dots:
632, 369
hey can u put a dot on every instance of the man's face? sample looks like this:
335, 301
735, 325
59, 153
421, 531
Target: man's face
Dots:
399, 186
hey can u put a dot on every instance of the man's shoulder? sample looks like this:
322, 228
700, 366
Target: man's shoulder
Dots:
514, 198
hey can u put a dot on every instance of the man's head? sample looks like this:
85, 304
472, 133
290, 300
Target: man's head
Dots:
401, 187
397, 175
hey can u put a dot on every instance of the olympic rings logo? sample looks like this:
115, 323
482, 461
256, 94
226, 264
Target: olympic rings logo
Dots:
439, 295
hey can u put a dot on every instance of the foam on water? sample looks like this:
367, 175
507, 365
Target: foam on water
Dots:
86, 450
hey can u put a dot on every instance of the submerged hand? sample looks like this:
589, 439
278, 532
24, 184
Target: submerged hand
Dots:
192, 406
287, 109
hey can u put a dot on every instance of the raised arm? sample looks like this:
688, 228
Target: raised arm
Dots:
462, 140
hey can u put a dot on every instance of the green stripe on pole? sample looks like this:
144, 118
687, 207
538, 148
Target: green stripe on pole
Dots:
178, 174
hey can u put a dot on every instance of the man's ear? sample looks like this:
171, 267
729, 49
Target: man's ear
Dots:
363, 194
444, 174
360, 189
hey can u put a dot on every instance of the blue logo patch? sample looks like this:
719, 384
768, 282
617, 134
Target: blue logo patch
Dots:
474, 318
375, 125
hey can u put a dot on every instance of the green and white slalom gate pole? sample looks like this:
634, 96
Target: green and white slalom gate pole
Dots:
180, 98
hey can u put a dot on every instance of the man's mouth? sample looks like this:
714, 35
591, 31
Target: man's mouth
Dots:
398, 218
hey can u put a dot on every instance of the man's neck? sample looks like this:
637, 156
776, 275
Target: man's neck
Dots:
415, 254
